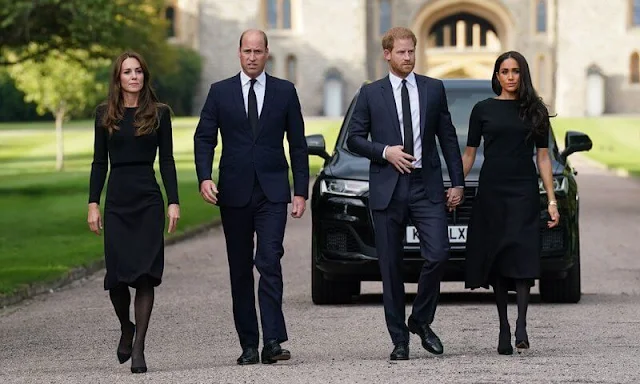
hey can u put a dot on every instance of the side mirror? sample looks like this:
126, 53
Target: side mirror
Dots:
575, 142
316, 146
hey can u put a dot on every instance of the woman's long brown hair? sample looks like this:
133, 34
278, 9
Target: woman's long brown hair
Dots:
146, 118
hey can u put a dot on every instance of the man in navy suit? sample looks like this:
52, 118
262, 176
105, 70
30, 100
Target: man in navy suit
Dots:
403, 113
254, 112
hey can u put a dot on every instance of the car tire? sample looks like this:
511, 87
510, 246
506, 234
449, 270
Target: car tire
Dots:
329, 291
567, 290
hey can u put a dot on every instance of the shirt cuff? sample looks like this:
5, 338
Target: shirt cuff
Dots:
384, 152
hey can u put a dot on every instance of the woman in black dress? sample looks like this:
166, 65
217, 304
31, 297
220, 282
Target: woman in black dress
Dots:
503, 245
129, 129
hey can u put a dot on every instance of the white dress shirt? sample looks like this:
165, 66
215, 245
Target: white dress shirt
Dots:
258, 88
414, 101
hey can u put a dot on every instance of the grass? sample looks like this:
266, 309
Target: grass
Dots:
43, 230
616, 140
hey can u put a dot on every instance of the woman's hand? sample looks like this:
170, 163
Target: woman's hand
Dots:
94, 219
555, 216
174, 215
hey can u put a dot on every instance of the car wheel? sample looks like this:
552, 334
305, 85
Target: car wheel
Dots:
328, 291
567, 290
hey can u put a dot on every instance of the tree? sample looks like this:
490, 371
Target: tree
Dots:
102, 28
59, 83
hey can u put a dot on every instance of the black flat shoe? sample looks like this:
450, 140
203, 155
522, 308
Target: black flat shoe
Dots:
504, 342
125, 346
272, 352
249, 356
400, 352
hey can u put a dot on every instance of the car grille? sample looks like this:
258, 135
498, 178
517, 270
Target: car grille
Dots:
552, 239
340, 239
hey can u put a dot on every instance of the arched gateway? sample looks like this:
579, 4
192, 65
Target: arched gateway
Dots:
461, 38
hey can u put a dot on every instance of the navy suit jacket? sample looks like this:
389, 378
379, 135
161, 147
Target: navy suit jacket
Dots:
375, 114
244, 156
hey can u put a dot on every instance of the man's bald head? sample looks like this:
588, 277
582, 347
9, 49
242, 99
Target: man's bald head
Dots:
253, 32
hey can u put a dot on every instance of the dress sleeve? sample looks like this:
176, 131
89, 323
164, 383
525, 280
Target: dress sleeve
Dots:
99, 166
542, 139
167, 163
475, 128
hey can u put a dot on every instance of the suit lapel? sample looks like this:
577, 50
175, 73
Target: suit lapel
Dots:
387, 93
269, 98
422, 95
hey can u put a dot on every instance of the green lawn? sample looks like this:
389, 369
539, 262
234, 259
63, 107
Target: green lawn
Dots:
43, 230
616, 140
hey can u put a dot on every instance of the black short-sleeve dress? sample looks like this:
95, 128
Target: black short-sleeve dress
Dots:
503, 238
134, 208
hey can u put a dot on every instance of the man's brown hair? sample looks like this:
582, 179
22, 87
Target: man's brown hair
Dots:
397, 33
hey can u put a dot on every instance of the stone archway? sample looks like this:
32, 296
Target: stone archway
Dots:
461, 38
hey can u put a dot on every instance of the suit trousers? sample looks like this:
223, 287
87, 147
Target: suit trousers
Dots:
267, 220
409, 202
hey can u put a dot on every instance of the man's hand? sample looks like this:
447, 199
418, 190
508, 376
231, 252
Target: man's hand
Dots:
298, 206
399, 159
208, 191
454, 197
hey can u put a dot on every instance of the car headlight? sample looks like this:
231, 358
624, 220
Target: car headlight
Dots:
344, 187
560, 184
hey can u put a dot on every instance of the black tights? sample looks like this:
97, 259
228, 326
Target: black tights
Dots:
501, 290
143, 305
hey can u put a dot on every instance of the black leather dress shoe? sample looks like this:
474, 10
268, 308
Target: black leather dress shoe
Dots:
430, 340
273, 352
249, 356
400, 352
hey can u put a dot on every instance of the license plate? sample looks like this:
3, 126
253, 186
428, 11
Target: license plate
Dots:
457, 234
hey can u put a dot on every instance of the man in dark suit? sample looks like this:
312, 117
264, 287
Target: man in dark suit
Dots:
403, 113
254, 111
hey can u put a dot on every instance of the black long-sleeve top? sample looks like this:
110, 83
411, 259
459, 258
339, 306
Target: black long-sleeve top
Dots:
123, 147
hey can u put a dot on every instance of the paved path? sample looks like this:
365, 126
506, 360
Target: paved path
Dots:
70, 336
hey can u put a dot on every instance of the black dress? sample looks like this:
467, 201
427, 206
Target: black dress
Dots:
503, 236
134, 207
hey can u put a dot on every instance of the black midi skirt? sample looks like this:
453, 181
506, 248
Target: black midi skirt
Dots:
133, 227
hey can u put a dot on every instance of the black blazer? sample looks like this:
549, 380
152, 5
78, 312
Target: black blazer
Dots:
244, 156
375, 114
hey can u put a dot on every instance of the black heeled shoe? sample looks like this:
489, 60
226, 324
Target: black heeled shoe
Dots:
522, 339
138, 366
125, 346
504, 342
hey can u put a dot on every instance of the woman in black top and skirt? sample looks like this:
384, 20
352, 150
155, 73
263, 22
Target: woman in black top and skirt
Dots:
129, 129
503, 245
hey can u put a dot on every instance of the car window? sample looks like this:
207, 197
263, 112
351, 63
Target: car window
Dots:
460, 101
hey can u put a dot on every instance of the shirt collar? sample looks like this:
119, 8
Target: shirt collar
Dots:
261, 79
396, 82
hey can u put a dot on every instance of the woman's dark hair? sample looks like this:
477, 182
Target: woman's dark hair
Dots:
532, 108
146, 117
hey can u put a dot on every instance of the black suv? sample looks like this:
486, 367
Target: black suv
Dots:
343, 241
